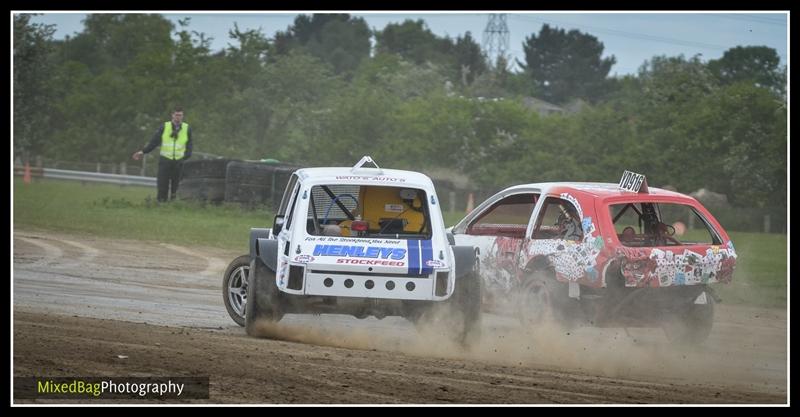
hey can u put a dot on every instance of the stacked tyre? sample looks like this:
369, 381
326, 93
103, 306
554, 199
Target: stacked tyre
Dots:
254, 183
203, 180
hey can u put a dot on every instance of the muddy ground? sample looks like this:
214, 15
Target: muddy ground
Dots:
81, 302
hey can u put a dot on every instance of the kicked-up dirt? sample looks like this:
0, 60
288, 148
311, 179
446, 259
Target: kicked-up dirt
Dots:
86, 306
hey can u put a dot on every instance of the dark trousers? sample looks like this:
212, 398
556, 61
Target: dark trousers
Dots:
169, 174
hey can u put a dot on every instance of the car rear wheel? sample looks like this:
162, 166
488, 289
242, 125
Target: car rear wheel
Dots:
263, 297
234, 288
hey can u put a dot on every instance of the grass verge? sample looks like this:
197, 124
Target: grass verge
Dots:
130, 212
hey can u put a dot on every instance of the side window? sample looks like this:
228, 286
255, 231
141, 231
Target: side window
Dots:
558, 219
287, 195
506, 217
626, 220
653, 224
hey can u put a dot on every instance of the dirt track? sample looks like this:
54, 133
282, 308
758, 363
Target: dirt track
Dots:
80, 301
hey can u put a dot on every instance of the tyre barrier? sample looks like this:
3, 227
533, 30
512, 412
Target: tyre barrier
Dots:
204, 189
205, 168
253, 183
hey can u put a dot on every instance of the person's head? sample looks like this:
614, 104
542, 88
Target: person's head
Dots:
177, 115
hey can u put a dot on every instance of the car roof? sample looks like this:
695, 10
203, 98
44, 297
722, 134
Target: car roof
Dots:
602, 190
377, 176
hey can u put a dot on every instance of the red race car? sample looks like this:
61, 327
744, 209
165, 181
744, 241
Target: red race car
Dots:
601, 254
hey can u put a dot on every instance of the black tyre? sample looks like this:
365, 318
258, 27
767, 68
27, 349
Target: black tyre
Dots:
263, 297
543, 299
205, 168
251, 173
234, 288
693, 325
203, 189
236, 192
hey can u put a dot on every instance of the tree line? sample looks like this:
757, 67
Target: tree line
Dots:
321, 93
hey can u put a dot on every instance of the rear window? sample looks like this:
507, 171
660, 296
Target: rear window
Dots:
378, 211
643, 224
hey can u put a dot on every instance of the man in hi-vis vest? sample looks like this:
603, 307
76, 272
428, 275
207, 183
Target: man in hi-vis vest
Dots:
175, 139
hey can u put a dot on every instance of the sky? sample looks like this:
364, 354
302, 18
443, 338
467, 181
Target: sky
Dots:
630, 37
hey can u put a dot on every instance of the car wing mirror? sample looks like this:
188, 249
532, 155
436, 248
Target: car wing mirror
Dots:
277, 225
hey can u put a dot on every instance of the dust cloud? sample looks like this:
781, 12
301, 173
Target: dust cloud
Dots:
606, 352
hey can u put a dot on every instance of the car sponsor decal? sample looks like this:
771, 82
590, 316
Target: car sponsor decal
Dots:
361, 178
435, 263
381, 262
413, 256
393, 208
358, 251
304, 259
420, 256
427, 256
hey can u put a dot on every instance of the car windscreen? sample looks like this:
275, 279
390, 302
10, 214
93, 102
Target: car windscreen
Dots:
368, 211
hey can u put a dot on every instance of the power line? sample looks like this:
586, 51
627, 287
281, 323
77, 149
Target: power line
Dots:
630, 35
756, 19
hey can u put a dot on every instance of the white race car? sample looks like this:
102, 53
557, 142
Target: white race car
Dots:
362, 241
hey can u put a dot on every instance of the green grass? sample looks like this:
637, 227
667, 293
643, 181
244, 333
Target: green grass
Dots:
130, 212
761, 274
452, 217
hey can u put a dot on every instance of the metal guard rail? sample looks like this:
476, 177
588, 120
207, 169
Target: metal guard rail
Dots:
64, 174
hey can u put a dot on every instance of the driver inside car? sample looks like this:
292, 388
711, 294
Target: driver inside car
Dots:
568, 224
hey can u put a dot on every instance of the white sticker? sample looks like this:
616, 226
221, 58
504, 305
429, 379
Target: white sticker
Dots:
701, 299
435, 263
304, 259
632, 181
394, 208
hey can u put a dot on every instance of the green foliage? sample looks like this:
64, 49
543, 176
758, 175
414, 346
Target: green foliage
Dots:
339, 40
32, 84
566, 65
754, 64
461, 59
315, 96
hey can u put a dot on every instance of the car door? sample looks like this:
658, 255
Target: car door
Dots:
497, 229
292, 222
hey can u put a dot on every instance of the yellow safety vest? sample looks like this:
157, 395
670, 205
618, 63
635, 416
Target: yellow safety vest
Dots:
174, 148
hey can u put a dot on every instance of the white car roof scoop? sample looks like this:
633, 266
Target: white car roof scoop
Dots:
359, 166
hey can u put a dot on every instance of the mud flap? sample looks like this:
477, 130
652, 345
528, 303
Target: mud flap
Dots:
264, 248
465, 260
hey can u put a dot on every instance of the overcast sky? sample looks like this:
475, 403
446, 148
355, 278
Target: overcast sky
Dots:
631, 37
